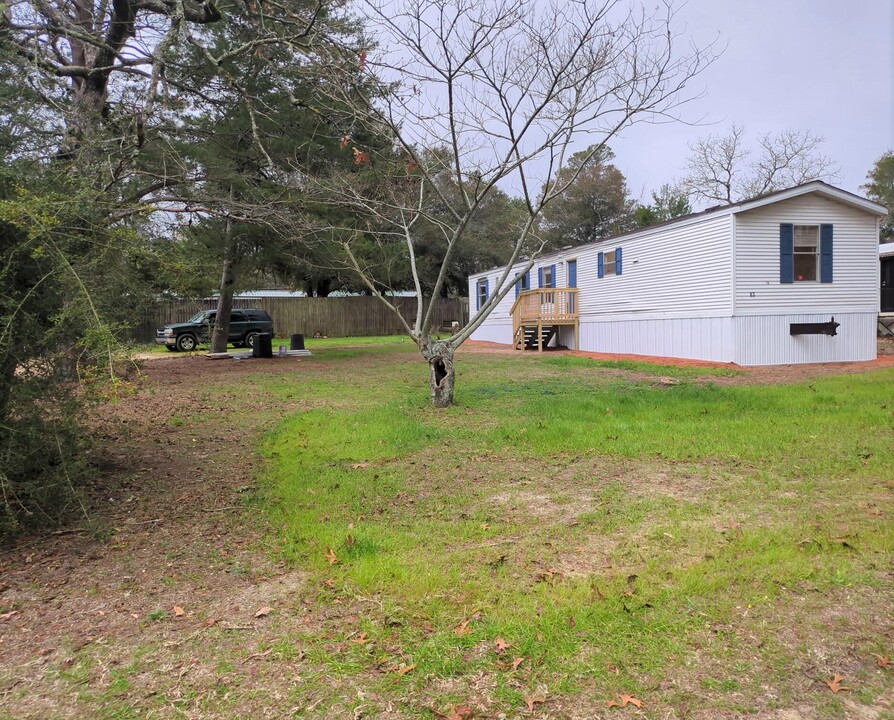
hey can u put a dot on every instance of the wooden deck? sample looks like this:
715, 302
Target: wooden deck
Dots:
537, 311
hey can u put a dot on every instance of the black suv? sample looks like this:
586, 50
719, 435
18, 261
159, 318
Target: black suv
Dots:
245, 324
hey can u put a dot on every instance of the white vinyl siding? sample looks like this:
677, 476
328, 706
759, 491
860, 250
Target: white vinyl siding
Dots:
709, 287
854, 260
765, 340
695, 338
677, 271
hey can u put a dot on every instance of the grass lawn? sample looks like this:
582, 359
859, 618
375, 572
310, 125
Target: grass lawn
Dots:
307, 538
572, 530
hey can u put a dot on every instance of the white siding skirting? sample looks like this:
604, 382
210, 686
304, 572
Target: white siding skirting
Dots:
765, 339
694, 338
494, 332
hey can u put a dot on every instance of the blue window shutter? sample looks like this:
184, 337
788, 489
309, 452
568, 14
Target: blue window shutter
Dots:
552, 274
600, 269
517, 286
826, 253
540, 277
617, 261
572, 273
786, 253
526, 285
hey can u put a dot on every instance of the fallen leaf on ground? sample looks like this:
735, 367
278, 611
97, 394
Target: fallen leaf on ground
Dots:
455, 713
835, 684
259, 655
179, 611
404, 670
360, 639
331, 556
623, 701
350, 541
357, 466
501, 645
7, 615
462, 629
517, 662
882, 661
485, 526
263, 612
531, 701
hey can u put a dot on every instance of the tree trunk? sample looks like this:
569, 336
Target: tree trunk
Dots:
442, 375
224, 308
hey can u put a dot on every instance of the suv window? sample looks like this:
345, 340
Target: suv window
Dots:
238, 317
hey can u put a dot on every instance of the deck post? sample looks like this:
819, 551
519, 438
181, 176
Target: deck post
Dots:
539, 337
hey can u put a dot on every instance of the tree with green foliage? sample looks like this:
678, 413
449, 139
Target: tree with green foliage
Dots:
102, 106
668, 202
880, 188
595, 204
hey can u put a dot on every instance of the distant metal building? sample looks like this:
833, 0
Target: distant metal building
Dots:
886, 276
789, 277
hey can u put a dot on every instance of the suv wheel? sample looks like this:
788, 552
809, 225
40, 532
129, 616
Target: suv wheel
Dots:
250, 339
186, 343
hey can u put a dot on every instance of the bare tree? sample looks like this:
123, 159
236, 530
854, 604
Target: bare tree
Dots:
720, 168
509, 87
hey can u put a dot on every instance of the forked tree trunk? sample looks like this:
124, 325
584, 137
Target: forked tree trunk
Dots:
441, 371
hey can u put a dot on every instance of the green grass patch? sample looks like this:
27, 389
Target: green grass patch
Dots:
603, 525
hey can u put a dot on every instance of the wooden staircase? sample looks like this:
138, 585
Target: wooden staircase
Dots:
538, 314
529, 339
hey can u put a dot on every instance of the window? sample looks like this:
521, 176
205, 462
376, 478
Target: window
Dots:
237, 317
806, 252
523, 283
482, 292
547, 277
609, 263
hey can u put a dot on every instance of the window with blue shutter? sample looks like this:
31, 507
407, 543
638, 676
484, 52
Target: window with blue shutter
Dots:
482, 292
826, 253
609, 263
786, 253
600, 266
572, 274
552, 276
539, 277
523, 283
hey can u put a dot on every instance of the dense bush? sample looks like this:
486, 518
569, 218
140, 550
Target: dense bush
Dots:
63, 284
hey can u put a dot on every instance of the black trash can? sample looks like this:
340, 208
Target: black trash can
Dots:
297, 342
263, 347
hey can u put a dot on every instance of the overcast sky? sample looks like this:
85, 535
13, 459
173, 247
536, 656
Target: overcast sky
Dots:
820, 65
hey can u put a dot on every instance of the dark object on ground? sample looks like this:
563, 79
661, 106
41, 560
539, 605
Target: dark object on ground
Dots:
297, 342
245, 325
263, 346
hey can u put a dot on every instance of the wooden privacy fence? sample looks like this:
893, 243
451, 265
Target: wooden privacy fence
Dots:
333, 317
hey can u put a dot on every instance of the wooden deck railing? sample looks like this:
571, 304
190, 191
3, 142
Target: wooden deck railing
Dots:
546, 306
